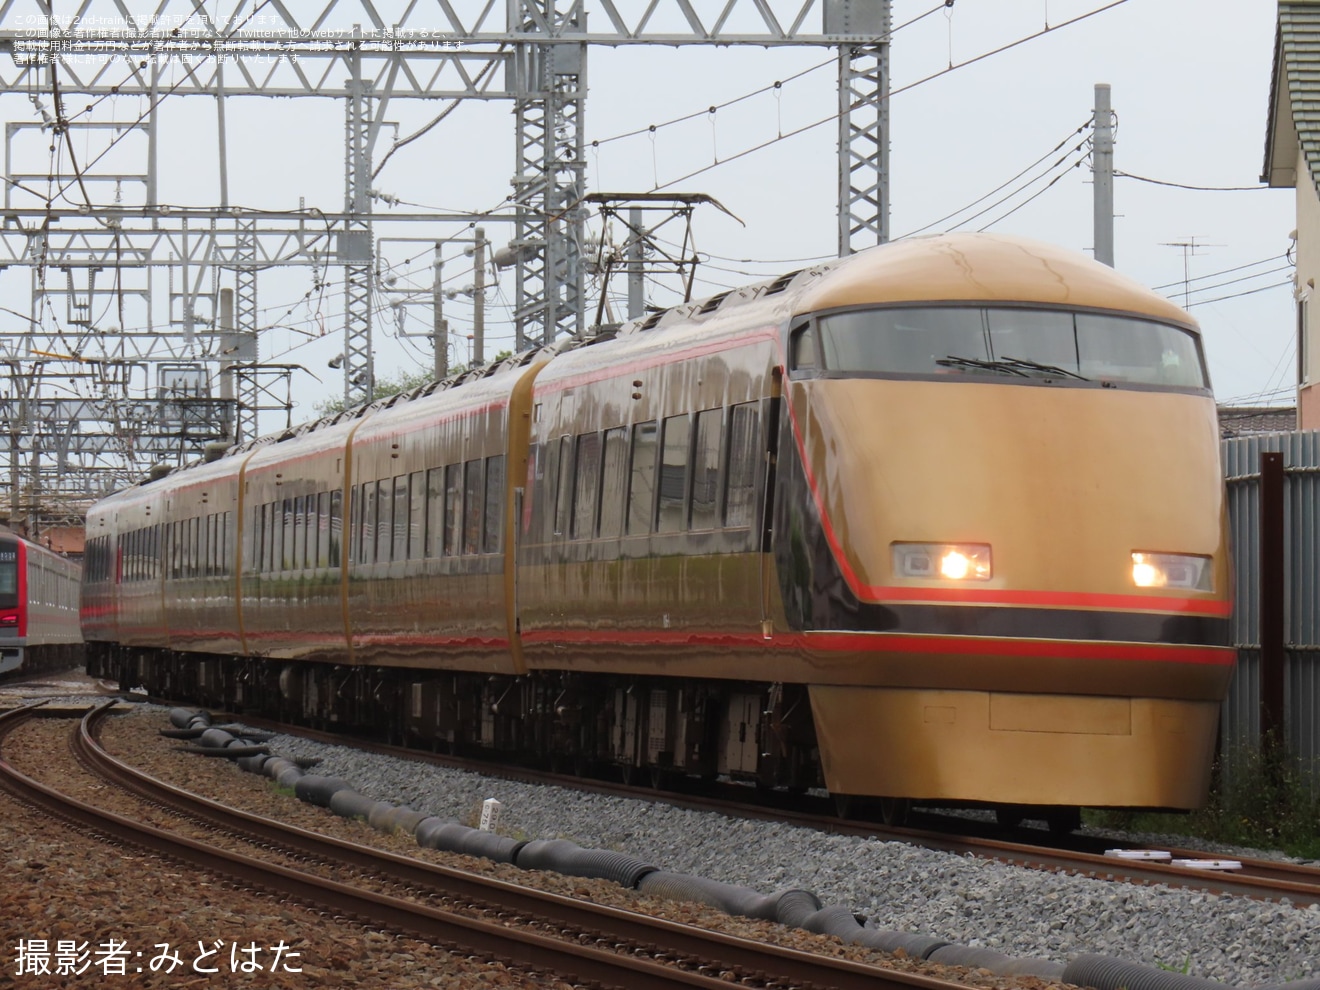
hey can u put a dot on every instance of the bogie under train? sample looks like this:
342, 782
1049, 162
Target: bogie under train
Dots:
940, 521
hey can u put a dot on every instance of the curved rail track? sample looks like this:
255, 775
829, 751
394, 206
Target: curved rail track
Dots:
595, 944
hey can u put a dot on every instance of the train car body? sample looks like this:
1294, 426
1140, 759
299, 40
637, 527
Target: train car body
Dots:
941, 521
39, 623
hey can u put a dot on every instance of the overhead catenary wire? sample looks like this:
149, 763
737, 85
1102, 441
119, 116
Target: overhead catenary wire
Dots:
783, 136
776, 85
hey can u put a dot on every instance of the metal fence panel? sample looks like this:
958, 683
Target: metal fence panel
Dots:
1241, 711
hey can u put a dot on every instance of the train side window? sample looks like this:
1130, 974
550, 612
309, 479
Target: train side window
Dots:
674, 473
384, 519
802, 349
472, 506
614, 483
401, 516
252, 539
547, 484
564, 490
706, 468
273, 537
299, 533
586, 494
309, 532
290, 529
416, 515
494, 517
336, 526
745, 458
322, 529
209, 536
641, 482
226, 535
368, 523
355, 525
435, 512
453, 509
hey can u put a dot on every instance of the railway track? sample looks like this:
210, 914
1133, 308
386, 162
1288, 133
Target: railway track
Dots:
1259, 878
590, 943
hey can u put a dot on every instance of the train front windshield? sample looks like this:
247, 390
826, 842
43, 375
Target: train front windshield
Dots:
8, 575
1017, 343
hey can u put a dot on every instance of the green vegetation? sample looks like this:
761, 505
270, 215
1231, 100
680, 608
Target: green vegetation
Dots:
1258, 798
404, 381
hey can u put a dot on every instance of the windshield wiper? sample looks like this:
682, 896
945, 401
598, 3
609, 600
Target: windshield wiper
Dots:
954, 361
1052, 369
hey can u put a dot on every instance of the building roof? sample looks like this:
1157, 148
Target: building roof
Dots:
1240, 421
1294, 111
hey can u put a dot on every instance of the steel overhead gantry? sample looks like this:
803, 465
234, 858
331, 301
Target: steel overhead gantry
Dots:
533, 52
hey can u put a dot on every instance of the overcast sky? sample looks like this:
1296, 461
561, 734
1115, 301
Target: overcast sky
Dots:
1190, 83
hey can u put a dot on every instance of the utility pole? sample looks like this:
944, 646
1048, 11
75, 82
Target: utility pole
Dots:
440, 327
1102, 164
636, 271
479, 297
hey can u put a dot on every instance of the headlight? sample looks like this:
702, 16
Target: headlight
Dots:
942, 561
1171, 570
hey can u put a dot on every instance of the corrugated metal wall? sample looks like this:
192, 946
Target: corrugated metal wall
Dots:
1301, 520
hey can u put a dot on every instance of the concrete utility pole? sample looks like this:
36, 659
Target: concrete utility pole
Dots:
479, 297
1102, 164
636, 272
441, 328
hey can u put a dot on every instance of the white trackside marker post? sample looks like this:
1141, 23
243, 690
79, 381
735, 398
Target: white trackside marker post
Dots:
490, 814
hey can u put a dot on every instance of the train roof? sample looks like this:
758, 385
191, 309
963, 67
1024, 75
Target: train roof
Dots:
933, 269
983, 268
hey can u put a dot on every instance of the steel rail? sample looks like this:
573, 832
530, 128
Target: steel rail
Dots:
712, 951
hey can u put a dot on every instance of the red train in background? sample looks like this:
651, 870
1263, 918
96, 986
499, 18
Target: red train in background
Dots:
39, 627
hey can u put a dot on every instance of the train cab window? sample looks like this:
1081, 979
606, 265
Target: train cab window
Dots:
416, 515
472, 506
401, 518
674, 474
803, 349
435, 512
586, 493
564, 488
706, 468
614, 483
1013, 344
336, 526
453, 509
641, 481
744, 459
494, 517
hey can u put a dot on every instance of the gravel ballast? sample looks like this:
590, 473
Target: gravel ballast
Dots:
969, 901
